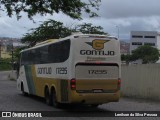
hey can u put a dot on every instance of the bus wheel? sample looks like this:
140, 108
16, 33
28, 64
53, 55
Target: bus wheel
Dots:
54, 99
47, 97
22, 89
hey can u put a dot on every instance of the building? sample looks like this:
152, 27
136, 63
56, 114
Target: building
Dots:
124, 47
6, 46
138, 38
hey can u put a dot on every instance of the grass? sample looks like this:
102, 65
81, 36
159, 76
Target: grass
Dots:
5, 65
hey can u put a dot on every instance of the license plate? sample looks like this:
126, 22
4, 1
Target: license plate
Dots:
98, 91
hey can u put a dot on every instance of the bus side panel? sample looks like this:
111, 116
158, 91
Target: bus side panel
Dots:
60, 85
30, 82
64, 90
39, 87
41, 82
22, 79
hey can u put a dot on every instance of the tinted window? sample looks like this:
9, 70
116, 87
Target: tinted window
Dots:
43, 57
59, 52
37, 56
137, 36
136, 43
151, 44
25, 58
54, 53
149, 37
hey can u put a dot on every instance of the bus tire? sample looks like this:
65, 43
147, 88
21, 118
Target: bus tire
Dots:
47, 97
54, 99
22, 89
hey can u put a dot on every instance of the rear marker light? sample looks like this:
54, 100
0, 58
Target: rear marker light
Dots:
97, 62
73, 80
73, 84
119, 83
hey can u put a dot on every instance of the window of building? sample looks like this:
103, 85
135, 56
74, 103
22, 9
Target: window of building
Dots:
137, 36
149, 36
151, 44
136, 43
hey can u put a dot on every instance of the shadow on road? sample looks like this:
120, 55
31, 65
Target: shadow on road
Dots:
73, 110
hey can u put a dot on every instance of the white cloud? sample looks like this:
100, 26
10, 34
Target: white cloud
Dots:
128, 15
129, 8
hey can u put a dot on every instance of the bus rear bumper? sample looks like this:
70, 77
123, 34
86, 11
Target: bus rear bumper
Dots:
94, 98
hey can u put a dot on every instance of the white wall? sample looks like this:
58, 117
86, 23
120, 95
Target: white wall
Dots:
141, 81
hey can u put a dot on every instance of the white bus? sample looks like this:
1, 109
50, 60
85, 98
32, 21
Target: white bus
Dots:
84, 68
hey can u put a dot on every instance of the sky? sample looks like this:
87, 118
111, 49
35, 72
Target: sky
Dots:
115, 16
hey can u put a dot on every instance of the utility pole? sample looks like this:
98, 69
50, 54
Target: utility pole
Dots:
12, 74
0, 48
117, 31
12, 56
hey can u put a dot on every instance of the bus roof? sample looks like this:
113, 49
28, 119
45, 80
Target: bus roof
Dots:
50, 41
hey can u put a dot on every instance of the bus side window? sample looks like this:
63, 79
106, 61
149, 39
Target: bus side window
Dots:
50, 51
59, 52
44, 55
31, 57
37, 56
24, 58
21, 59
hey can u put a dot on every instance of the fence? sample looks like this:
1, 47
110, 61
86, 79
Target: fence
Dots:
141, 81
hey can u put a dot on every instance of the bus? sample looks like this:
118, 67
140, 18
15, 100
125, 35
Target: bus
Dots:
83, 68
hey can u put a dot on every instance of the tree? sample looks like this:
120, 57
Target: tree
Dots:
146, 53
52, 29
72, 8
16, 52
88, 28
127, 58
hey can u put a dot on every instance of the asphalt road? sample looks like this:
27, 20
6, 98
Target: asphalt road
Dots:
12, 100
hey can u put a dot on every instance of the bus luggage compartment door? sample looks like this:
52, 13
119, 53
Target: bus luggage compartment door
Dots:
97, 78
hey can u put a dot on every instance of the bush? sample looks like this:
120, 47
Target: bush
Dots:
5, 64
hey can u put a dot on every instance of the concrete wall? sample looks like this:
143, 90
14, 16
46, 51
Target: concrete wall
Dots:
141, 81
8, 75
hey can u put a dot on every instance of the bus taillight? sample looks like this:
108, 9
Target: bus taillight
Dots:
97, 62
119, 83
73, 84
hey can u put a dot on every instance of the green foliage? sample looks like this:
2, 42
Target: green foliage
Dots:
16, 53
52, 29
88, 28
72, 8
47, 30
127, 58
147, 53
5, 64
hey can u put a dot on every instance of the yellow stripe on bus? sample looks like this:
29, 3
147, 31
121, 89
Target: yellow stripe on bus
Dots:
40, 83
